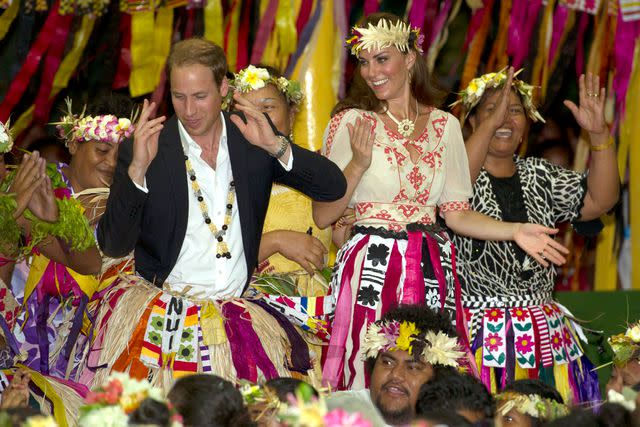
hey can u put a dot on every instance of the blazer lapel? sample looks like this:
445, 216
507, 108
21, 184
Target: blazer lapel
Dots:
238, 156
176, 170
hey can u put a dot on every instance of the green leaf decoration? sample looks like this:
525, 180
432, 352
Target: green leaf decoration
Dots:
501, 358
494, 328
489, 357
523, 328
532, 360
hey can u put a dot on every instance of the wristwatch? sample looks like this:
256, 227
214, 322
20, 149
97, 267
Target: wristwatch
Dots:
284, 144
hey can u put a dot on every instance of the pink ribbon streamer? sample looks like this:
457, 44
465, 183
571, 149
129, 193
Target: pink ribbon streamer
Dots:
627, 34
524, 18
413, 289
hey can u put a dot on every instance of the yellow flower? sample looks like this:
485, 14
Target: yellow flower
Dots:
407, 329
634, 333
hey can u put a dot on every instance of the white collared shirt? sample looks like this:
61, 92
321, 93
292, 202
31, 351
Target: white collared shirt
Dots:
197, 270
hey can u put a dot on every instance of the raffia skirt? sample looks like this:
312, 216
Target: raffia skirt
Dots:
162, 335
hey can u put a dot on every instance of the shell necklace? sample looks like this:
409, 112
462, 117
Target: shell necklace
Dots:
406, 126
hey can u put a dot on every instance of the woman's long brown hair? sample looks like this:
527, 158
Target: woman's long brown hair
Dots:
362, 97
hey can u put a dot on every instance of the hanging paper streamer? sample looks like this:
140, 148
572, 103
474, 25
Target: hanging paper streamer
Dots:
264, 30
286, 28
498, 58
630, 10
232, 21
524, 14
213, 25
589, 6
243, 36
475, 41
123, 72
7, 17
371, 6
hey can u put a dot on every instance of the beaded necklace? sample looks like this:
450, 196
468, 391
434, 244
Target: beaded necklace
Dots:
222, 249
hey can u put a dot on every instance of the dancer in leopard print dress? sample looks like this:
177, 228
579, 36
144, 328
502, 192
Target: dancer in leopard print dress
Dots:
515, 328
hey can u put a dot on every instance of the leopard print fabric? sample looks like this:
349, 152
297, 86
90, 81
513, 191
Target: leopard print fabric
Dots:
490, 271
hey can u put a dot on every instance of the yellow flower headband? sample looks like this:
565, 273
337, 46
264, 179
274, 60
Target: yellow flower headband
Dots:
626, 346
436, 348
6, 139
254, 78
531, 404
471, 96
383, 35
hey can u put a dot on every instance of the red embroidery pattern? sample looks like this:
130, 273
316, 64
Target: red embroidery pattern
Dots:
333, 128
455, 206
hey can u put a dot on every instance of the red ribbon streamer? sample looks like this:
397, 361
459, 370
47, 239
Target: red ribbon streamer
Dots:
40, 47
123, 72
264, 31
371, 6
243, 36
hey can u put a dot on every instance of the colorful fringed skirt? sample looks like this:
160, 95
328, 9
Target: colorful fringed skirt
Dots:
52, 396
516, 338
375, 271
162, 335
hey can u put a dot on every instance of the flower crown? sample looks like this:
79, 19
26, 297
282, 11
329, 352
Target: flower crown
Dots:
104, 128
436, 348
531, 404
627, 345
471, 96
383, 35
6, 139
253, 78
33, 421
112, 403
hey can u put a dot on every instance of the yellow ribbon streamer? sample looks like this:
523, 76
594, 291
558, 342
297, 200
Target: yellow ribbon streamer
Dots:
65, 71
233, 21
7, 17
285, 26
212, 324
142, 64
59, 411
629, 131
213, 24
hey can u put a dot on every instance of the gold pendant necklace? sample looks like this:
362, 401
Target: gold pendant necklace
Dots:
406, 126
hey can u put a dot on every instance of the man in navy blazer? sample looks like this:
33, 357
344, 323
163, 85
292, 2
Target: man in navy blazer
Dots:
190, 193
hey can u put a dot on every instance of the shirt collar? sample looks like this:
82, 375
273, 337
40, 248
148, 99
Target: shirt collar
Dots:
188, 142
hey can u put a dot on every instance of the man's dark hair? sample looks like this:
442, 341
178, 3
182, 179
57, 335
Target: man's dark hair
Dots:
151, 412
208, 400
425, 319
454, 393
283, 387
532, 386
114, 103
450, 419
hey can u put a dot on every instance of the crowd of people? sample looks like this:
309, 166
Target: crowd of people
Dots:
175, 271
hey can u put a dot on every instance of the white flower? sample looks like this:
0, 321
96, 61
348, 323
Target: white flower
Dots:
254, 78
109, 416
123, 124
374, 341
443, 349
4, 135
615, 397
634, 333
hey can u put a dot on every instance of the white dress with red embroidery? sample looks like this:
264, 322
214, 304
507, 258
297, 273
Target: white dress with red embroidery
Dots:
398, 253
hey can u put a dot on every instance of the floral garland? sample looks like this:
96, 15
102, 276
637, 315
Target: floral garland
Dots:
254, 78
72, 226
385, 34
626, 346
111, 404
436, 348
6, 139
471, 96
532, 404
104, 128
306, 410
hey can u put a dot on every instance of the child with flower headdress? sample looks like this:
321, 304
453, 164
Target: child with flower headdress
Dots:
529, 403
292, 256
61, 291
405, 164
515, 327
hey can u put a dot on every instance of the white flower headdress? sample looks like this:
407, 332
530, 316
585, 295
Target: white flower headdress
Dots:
436, 348
104, 128
471, 96
626, 346
531, 404
254, 78
6, 139
383, 35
